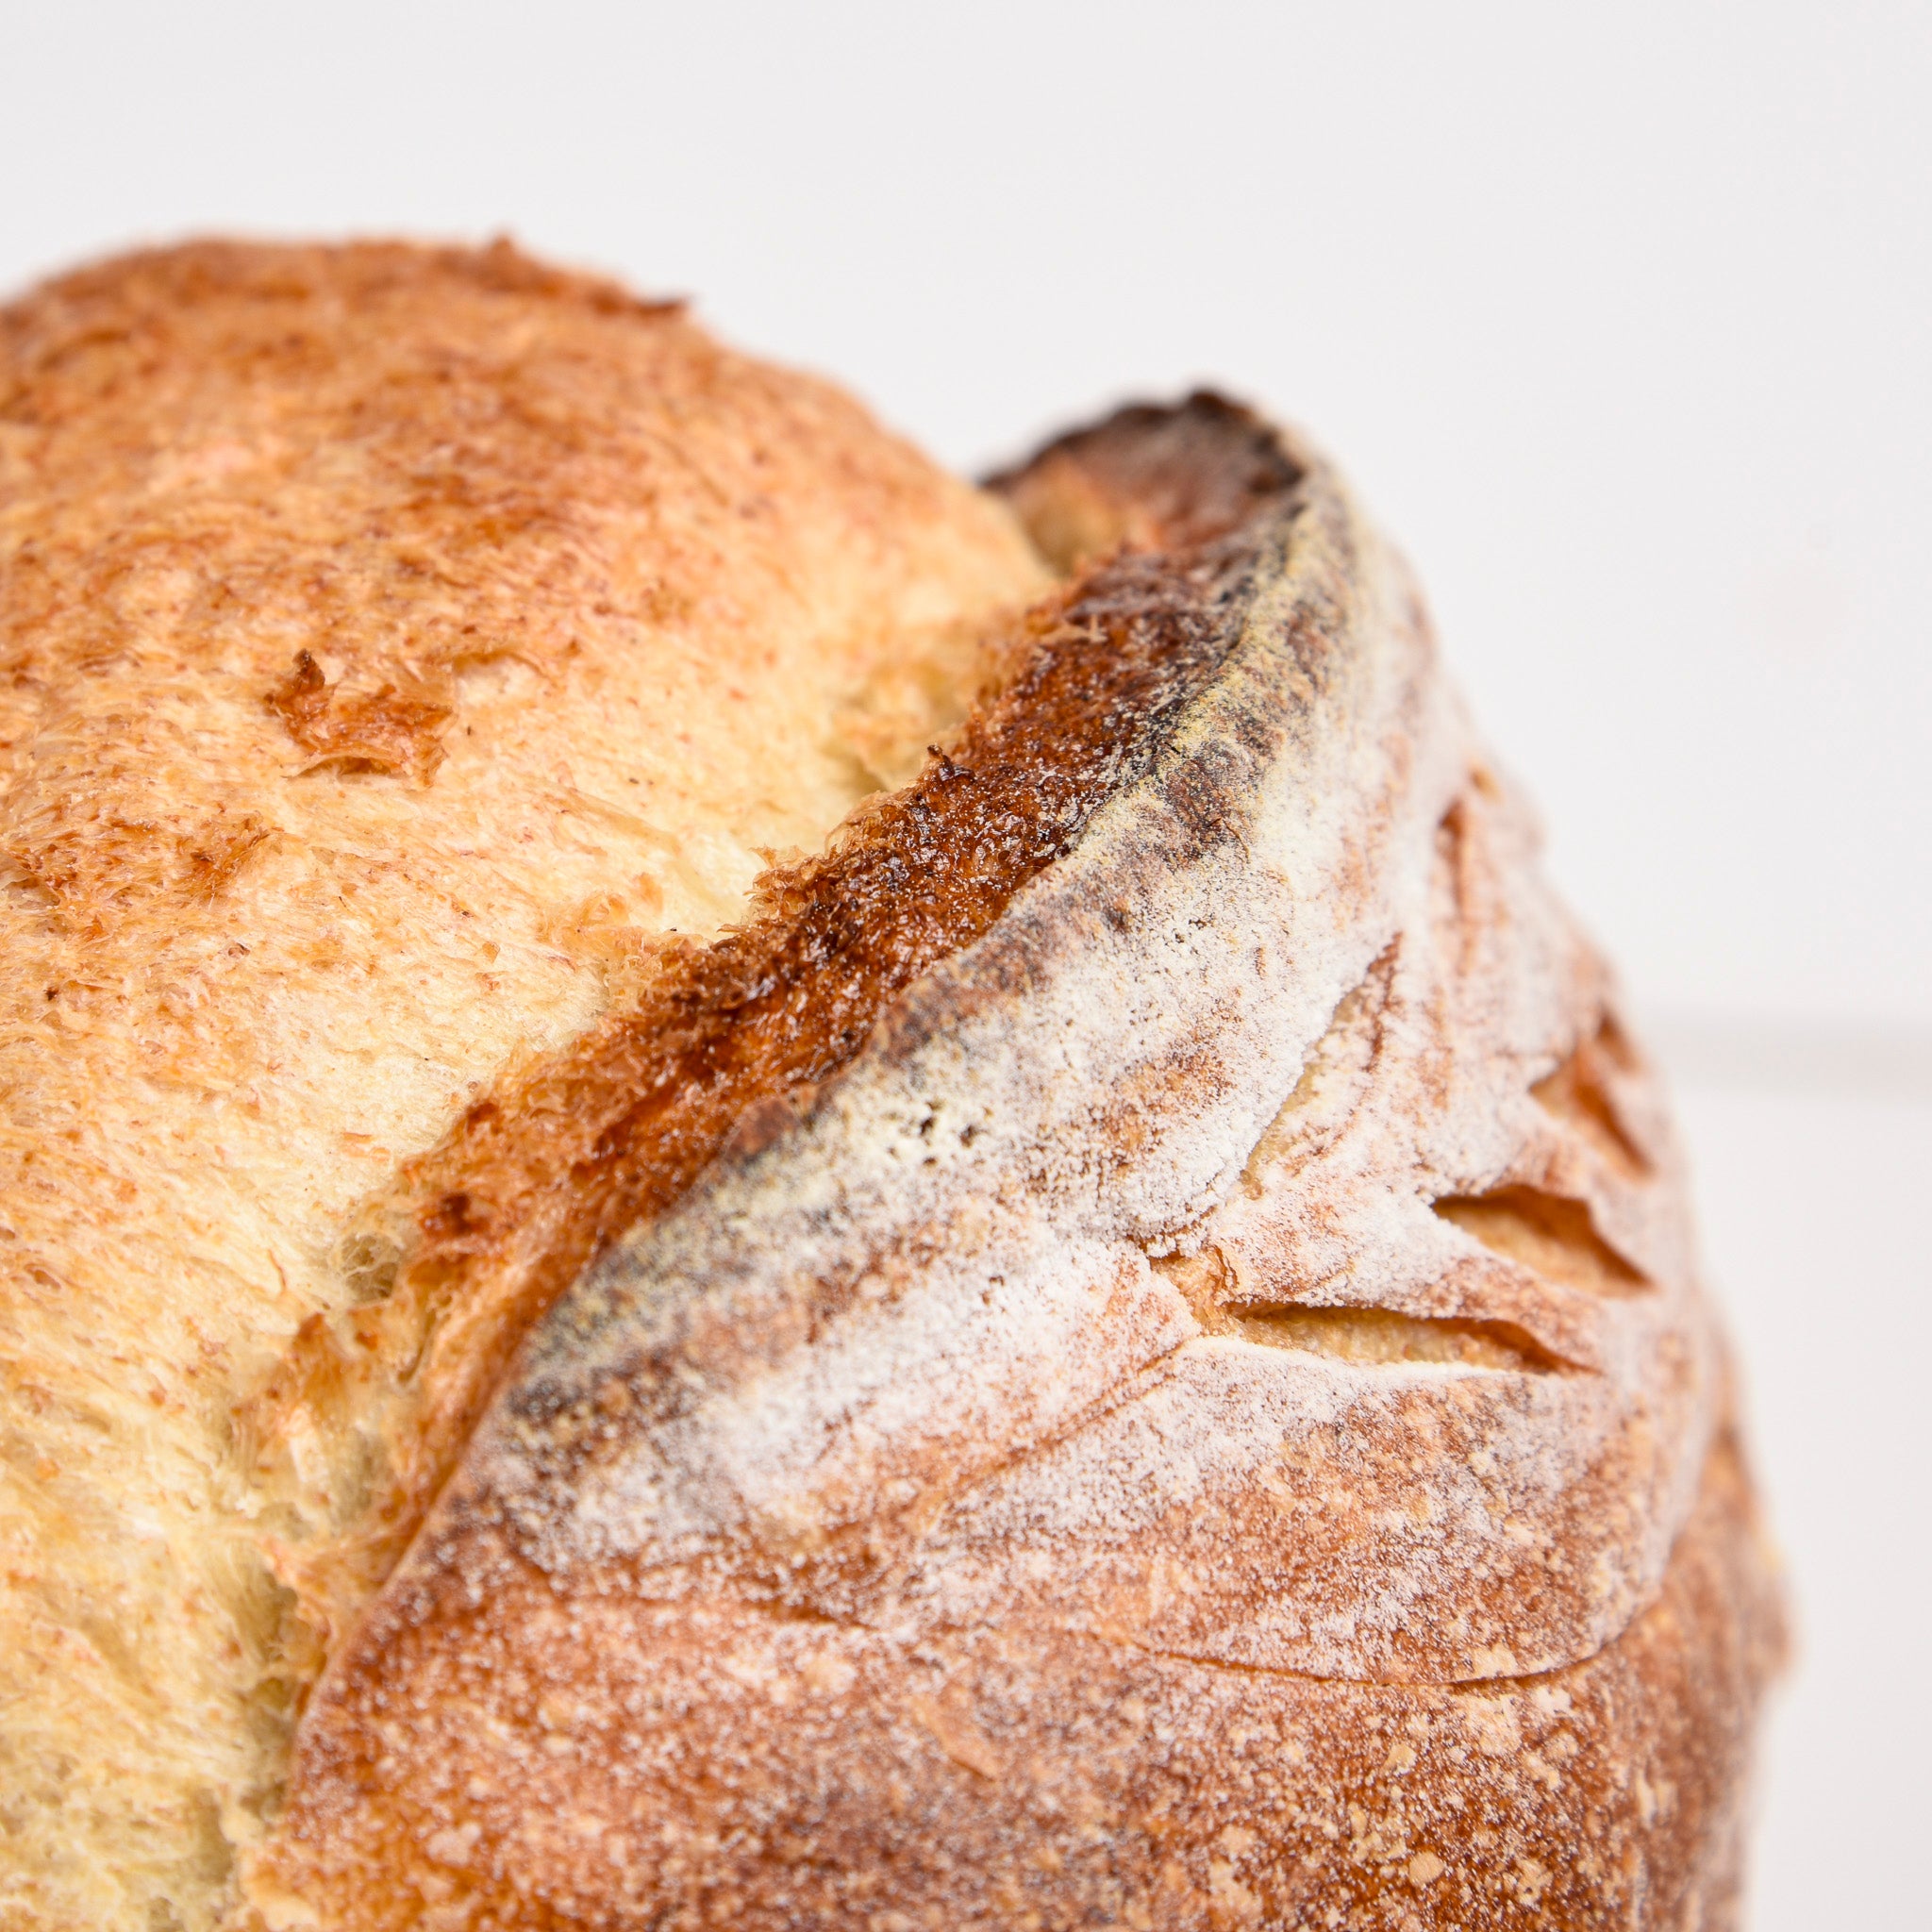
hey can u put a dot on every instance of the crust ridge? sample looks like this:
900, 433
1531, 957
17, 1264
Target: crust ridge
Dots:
726, 1043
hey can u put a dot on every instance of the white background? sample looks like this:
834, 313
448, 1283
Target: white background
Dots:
1620, 316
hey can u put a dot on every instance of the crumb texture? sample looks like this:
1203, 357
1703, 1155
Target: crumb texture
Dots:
403, 655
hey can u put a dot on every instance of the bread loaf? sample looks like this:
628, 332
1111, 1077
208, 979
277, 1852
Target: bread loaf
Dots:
742, 1189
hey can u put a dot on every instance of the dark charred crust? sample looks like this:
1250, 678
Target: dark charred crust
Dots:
615, 1127
1151, 478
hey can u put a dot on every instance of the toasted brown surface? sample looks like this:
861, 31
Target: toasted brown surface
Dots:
401, 650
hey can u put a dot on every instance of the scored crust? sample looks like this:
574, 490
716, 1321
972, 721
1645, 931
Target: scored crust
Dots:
1147, 1368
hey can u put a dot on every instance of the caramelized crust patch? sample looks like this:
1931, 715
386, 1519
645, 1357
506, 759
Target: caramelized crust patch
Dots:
382, 731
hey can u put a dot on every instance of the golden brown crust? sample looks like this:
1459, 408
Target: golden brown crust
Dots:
714, 1765
175, 411
1120, 1348
877, 1532
398, 647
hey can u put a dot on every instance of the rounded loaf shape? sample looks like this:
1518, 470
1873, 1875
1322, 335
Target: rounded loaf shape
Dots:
638, 1302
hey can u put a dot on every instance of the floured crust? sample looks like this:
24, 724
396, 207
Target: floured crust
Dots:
714, 1764
1205, 1417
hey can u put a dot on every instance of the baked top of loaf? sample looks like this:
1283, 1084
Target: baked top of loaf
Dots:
1017, 1332
403, 651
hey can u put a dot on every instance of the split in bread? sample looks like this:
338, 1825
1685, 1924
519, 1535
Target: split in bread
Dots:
636, 1300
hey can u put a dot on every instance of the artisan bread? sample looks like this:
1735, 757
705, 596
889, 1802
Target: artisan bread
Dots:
402, 648
747, 1189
